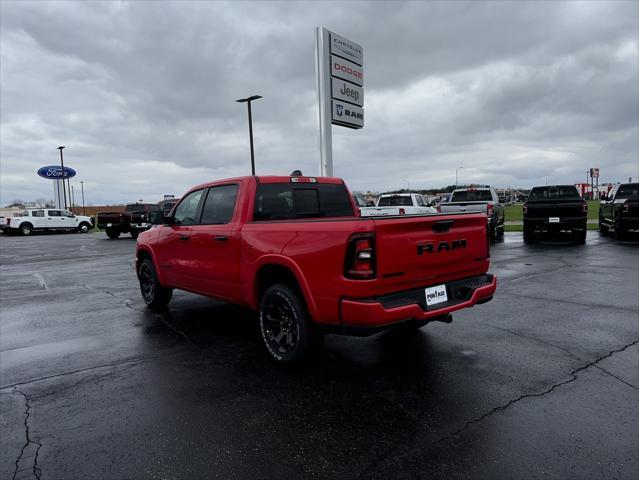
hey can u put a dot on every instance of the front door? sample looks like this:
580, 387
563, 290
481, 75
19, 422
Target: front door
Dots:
175, 255
55, 219
215, 245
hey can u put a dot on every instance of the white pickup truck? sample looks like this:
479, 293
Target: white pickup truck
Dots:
45, 219
398, 204
478, 199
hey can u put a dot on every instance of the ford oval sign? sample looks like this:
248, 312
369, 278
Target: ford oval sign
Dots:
54, 172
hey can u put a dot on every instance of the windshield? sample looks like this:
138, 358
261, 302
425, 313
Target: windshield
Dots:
472, 196
630, 190
562, 191
395, 201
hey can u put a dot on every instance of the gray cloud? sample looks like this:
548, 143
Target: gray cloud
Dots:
142, 93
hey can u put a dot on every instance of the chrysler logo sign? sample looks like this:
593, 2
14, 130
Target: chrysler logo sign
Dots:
346, 49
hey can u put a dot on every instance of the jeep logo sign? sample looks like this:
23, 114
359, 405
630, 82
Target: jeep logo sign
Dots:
348, 92
55, 172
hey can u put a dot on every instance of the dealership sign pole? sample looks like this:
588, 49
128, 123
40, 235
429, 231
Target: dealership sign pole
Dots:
340, 89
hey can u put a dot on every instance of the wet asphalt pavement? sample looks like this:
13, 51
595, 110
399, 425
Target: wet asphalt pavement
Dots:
542, 382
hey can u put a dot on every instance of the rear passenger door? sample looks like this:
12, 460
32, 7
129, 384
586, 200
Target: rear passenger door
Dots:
38, 220
215, 245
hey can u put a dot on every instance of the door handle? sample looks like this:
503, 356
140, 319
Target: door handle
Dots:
220, 238
184, 237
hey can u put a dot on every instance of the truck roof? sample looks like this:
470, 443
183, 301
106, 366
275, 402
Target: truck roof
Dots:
272, 179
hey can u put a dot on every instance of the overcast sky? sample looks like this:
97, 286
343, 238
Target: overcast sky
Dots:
142, 93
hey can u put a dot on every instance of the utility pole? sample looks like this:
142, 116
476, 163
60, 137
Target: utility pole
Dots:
84, 212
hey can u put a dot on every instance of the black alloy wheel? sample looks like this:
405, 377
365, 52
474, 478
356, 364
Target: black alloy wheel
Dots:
284, 324
154, 294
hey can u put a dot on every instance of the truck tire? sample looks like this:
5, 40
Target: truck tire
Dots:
112, 233
619, 232
135, 233
580, 236
528, 234
26, 228
492, 233
84, 227
154, 294
284, 324
603, 229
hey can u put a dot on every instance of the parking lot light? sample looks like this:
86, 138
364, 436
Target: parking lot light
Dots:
64, 188
248, 101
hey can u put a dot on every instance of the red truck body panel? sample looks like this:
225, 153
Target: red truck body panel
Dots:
411, 253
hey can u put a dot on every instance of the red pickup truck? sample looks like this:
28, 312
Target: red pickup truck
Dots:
293, 249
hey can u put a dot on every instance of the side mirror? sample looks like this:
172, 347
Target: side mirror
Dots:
603, 197
157, 217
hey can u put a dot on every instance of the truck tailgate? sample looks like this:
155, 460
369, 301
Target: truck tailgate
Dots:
453, 207
427, 250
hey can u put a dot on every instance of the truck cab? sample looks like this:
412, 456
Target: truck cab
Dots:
619, 210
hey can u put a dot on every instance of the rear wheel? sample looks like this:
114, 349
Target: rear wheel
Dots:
528, 234
154, 294
284, 324
580, 236
112, 233
135, 233
619, 232
26, 229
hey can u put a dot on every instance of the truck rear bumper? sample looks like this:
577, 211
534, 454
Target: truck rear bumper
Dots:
387, 310
562, 224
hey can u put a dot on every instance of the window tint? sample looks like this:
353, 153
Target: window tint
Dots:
631, 190
562, 191
25, 213
219, 205
186, 211
66, 213
472, 196
55, 213
38, 213
420, 201
395, 201
280, 201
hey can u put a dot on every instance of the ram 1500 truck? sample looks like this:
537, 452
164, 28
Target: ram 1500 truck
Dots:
398, 204
293, 249
619, 210
478, 199
554, 208
133, 220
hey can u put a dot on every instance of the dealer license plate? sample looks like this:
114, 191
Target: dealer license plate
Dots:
435, 295
553, 220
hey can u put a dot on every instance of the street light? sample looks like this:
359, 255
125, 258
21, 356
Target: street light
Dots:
64, 188
248, 101
456, 172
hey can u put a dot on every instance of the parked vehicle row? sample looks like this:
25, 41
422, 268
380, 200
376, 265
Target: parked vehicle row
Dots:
295, 250
45, 219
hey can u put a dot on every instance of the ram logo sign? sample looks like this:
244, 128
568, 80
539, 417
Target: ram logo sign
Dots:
55, 172
440, 247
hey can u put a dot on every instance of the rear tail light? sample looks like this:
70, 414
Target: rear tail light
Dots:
360, 258
402, 211
584, 208
487, 241
626, 207
490, 210
525, 209
438, 208
8, 221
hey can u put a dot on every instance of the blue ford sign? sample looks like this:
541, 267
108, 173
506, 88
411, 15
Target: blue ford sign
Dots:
54, 172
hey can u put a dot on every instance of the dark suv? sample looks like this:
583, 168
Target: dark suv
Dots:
555, 208
619, 210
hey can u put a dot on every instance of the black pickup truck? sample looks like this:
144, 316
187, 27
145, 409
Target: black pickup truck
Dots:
133, 220
555, 208
619, 210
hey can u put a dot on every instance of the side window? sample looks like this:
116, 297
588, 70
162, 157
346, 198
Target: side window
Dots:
128, 208
419, 200
54, 213
219, 205
38, 213
67, 214
186, 211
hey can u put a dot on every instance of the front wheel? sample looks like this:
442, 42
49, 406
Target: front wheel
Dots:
284, 324
155, 295
84, 228
26, 229
112, 233
135, 233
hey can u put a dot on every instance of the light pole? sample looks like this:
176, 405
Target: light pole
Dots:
84, 212
248, 101
456, 172
64, 188
72, 198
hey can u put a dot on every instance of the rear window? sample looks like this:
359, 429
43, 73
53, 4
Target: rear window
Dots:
472, 196
395, 201
631, 190
142, 208
563, 191
282, 201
